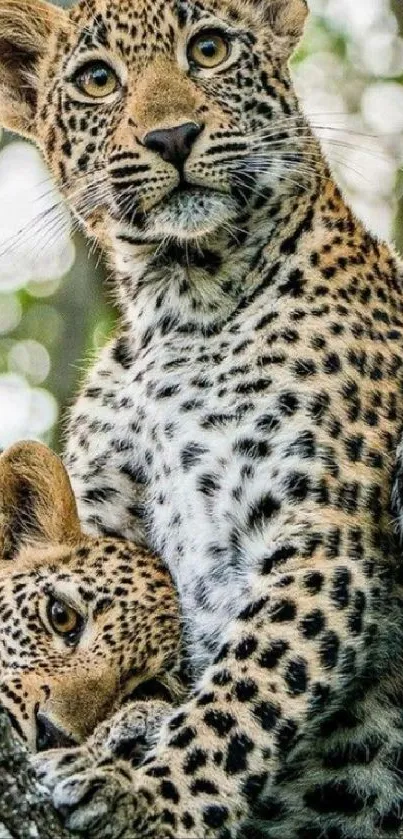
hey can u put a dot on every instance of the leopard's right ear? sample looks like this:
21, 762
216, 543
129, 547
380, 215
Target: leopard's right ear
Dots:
37, 505
287, 19
25, 29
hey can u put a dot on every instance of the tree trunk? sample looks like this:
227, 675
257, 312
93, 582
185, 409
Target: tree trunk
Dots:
397, 9
25, 813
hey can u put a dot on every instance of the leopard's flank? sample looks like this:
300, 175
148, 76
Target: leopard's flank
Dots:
244, 421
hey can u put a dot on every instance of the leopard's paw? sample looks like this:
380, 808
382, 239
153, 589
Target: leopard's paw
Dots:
52, 766
130, 733
93, 800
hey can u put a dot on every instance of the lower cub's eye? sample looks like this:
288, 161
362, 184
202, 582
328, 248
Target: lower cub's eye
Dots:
64, 620
96, 79
208, 49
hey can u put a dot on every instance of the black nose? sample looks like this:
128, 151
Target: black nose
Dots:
173, 144
48, 736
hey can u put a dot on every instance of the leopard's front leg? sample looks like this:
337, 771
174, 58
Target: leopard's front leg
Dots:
296, 655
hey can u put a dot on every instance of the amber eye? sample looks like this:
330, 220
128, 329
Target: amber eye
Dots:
96, 79
64, 620
208, 49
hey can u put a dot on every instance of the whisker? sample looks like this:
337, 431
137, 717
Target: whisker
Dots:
42, 222
12, 240
305, 119
266, 164
286, 177
297, 168
311, 141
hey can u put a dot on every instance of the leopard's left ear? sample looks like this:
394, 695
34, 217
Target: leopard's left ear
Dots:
287, 19
37, 504
26, 29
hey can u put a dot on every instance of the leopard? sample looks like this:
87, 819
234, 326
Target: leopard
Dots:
243, 422
87, 623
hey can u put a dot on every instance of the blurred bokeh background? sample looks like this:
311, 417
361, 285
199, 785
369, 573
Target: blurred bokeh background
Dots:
54, 310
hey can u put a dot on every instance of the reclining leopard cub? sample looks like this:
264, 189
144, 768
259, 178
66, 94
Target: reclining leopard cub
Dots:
85, 621
244, 422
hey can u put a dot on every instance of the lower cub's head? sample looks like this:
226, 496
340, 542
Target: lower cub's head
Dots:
168, 118
83, 621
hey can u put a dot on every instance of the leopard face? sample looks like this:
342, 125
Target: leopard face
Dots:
151, 114
85, 621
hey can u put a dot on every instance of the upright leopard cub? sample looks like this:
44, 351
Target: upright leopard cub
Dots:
244, 422
85, 621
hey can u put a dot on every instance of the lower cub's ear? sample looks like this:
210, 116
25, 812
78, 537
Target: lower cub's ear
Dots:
37, 504
25, 29
287, 19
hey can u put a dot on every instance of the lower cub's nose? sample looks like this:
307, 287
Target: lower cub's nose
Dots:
173, 144
48, 736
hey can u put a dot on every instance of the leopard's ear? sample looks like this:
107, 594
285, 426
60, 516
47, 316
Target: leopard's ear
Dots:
26, 27
287, 20
37, 504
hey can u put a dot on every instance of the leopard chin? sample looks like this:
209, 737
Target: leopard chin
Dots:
191, 214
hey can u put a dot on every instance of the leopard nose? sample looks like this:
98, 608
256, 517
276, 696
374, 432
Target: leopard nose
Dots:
173, 144
49, 736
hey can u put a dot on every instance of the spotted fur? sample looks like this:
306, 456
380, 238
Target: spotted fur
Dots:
242, 424
57, 687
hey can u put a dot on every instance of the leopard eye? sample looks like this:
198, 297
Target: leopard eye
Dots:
64, 620
96, 79
208, 49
